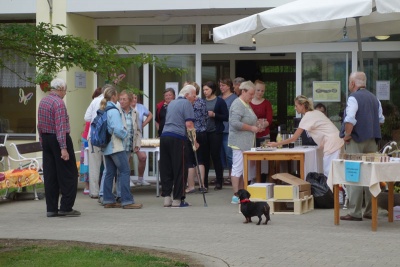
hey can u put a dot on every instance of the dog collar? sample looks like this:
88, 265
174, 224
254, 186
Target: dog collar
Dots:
245, 200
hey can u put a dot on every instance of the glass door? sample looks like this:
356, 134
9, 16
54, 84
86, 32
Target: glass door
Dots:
279, 77
215, 70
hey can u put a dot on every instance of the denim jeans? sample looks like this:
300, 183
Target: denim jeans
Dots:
117, 162
102, 181
118, 184
226, 152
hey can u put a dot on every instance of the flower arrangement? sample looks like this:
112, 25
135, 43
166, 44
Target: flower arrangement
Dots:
44, 79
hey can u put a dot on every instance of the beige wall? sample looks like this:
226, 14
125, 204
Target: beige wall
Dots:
77, 99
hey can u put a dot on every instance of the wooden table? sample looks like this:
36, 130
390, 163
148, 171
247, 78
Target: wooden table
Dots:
371, 174
308, 158
156, 151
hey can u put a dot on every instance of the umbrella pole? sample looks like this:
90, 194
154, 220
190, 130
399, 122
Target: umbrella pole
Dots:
360, 52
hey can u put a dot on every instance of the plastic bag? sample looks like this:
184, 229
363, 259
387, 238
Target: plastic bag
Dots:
323, 196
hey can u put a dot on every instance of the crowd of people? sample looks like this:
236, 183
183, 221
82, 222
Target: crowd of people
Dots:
225, 123
208, 116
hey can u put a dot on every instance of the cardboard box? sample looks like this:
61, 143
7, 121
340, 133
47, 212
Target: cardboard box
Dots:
294, 188
396, 213
261, 190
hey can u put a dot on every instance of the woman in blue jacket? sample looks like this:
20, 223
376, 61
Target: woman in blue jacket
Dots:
116, 161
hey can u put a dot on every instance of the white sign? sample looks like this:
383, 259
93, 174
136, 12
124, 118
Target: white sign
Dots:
173, 85
383, 90
326, 91
80, 79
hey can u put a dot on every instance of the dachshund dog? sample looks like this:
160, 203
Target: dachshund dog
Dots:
250, 209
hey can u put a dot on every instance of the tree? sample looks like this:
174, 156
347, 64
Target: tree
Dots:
39, 46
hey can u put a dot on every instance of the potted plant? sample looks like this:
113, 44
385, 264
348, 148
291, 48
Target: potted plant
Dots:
43, 79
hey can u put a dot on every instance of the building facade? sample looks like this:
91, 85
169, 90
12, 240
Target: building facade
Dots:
181, 31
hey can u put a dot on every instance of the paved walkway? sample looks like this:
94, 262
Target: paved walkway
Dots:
214, 235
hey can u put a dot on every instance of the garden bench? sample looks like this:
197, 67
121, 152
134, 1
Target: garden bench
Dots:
30, 151
20, 177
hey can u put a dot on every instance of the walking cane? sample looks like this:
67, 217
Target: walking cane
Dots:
192, 138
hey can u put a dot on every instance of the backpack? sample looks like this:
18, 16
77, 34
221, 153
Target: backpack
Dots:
99, 135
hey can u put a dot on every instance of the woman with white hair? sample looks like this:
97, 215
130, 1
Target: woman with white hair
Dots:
321, 129
242, 131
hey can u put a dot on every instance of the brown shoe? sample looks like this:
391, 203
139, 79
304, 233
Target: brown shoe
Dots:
133, 206
366, 216
348, 217
112, 205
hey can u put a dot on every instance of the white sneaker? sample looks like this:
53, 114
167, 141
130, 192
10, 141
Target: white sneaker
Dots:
235, 200
167, 202
131, 184
346, 203
142, 182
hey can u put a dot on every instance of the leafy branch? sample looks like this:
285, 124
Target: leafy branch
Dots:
49, 52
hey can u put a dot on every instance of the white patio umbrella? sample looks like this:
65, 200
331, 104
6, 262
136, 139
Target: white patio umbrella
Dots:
313, 21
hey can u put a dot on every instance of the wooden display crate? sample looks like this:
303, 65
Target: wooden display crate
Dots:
291, 206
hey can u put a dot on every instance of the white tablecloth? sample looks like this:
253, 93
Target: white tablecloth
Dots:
156, 150
312, 160
312, 157
371, 173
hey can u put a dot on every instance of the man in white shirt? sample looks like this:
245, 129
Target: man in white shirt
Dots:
360, 132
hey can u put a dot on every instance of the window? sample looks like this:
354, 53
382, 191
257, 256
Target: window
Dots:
148, 34
215, 70
17, 110
186, 62
17, 99
207, 33
385, 66
335, 66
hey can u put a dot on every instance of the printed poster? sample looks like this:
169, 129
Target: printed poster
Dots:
383, 90
326, 91
80, 79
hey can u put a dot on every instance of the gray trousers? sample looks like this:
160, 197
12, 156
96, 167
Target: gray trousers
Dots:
356, 192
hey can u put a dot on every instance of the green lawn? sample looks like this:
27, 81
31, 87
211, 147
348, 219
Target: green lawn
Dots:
50, 253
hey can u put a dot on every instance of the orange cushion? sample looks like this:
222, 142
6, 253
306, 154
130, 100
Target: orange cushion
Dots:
20, 178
